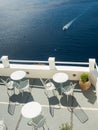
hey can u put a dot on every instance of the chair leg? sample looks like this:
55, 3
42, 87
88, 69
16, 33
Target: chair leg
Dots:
67, 100
54, 92
67, 104
46, 93
70, 107
43, 128
59, 105
29, 89
21, 91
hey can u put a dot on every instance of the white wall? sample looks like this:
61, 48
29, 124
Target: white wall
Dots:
36, 71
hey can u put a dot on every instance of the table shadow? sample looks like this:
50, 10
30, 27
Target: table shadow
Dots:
53, 101
26, 97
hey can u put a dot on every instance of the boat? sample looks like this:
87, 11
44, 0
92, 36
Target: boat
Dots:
67, 25
82, 111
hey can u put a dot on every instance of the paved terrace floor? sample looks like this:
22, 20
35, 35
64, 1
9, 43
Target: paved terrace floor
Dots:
83, 114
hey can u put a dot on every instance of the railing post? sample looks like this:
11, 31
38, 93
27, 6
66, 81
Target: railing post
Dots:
97, 89
5, 61
51, 61
92, 64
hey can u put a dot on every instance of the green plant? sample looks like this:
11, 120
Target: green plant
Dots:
84, 77
66, 126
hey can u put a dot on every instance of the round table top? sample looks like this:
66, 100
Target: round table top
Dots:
31, 110
18, 75
60, 77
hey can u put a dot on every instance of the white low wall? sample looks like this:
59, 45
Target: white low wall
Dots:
44, 71
93, 77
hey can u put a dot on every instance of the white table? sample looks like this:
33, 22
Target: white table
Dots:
60, 77
18, 75
31, 110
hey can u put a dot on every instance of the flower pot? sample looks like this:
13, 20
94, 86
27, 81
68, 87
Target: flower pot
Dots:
85, 86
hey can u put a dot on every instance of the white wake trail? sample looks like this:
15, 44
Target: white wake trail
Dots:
66, 26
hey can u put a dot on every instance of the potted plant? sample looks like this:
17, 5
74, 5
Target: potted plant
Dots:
84, 81
66, 126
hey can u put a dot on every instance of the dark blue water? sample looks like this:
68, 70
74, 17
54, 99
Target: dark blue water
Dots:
32, 29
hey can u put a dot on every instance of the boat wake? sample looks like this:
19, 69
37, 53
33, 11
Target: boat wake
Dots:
66, 26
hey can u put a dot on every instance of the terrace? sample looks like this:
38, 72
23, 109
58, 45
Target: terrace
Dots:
84, 106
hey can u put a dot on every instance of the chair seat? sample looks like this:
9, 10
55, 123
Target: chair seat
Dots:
23, 85
10, 85
68, 90
50, 86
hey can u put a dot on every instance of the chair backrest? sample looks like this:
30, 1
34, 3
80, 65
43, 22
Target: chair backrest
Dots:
38, 121
69, 89
3, 81
42, 81
41, 122
73, 85
8, 83
2, 125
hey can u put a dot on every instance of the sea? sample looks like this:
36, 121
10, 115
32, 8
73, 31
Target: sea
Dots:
34, 29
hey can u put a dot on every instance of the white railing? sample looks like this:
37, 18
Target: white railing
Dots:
96, 69
44, 69
5, 60
47, 62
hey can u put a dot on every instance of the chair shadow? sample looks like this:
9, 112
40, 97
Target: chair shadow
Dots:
26, 97
90, 95
52, 102
74, 107
11, 108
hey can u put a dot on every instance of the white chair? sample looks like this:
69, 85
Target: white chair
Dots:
50, 92
48, 85
68, 90
38, 122
10, 85
23, 85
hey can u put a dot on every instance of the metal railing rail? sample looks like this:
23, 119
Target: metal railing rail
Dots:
46, 62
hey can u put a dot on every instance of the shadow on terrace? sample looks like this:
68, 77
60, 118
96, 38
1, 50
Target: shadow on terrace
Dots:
80, 110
